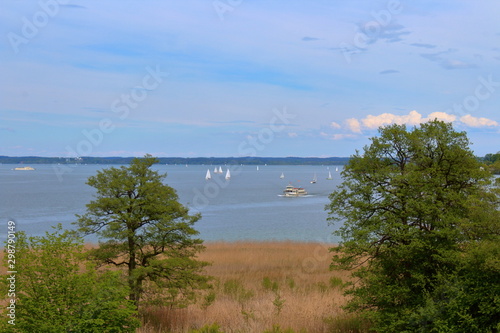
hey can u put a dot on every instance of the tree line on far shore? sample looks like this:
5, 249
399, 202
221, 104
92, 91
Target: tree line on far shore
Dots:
245, 160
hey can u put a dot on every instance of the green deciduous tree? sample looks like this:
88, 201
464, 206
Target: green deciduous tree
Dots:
417, 208
144, 228
56, 291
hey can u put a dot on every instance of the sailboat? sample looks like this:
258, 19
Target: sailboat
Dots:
228, 175
220, 169
337, 169
215, 170
208, 176
314, 180
282, 175
257, 168
329, 175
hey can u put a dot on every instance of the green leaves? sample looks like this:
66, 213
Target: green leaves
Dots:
144, 228
57, 293
410, 206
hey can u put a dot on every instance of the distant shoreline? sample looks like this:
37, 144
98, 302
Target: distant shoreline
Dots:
247, 160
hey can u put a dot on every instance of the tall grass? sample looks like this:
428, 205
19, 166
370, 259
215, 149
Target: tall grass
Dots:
268, 286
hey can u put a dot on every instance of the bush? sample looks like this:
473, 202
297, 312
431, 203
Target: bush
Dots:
235, 289
268, 284
336, 282
54, 294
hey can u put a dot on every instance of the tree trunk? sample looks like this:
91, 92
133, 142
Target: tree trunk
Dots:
132, 282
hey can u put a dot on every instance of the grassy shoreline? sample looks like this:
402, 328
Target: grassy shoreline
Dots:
259, 285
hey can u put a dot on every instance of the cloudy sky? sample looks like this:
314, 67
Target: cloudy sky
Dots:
242, 77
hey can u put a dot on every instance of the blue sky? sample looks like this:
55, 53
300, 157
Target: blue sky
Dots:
239, 77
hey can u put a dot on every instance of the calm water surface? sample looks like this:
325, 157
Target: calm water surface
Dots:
247, 207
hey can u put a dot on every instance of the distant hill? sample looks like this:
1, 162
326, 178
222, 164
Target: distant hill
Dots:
180, 160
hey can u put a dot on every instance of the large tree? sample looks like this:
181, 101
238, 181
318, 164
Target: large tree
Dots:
143, 227
410, 207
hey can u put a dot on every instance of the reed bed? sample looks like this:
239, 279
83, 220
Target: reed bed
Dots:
261, 285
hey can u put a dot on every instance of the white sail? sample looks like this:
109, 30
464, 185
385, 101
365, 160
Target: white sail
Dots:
314, 180
228, 175
208, 176
282, 175
337, 169
329, 175
215, 170
220, 169
257, 168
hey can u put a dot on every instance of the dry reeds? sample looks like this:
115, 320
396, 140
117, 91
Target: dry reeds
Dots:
261, 285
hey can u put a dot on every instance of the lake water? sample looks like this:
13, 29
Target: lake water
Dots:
249, 206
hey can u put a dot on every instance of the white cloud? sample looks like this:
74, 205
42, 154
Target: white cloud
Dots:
441, 116
412, 118
335, 125
353, 125
342, 136
383, 119
477, 122
338, 136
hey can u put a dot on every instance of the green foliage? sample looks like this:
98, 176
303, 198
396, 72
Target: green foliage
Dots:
268, 284
413, 206
237, 291
208, 300
467, 301
336, 282
144, 228
493, 162
55, 294
278, 303
247, 314
347, 323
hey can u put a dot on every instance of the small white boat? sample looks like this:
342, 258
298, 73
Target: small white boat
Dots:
257, 168
228, 175
314, 180
282, 175
291, 191
208, 176
220, 169
337, 169
329, 176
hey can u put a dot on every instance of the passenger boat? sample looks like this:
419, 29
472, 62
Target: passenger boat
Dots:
26, 168
291, 191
